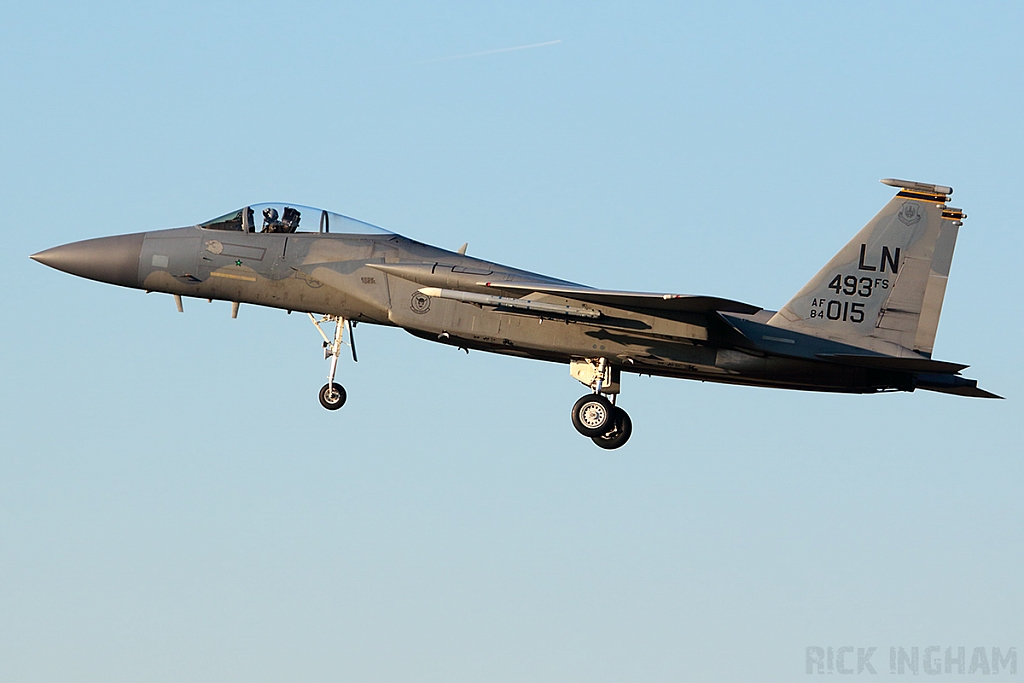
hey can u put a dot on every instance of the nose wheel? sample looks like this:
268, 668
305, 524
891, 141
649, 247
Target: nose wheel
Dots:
332, 394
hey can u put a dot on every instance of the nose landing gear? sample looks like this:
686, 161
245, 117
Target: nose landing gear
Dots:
595, 415
332, 394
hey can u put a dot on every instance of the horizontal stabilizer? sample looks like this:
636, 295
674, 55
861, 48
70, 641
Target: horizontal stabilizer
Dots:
973, 392
631, 300
894, 363
951, 384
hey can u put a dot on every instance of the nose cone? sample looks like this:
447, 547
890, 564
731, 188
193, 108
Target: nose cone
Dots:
107, 259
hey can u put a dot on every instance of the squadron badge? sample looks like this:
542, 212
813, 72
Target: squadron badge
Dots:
420, 303
909, 213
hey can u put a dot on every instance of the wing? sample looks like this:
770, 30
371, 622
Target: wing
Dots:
629, 300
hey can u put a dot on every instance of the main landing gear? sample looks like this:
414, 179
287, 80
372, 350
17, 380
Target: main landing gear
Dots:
332, 394
595, 415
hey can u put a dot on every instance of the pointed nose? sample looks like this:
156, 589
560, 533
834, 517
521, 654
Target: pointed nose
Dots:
107, 259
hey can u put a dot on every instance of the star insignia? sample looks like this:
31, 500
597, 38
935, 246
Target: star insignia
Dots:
238, 262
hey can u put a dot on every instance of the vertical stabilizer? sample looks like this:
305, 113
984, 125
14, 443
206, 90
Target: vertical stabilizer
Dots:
884, 290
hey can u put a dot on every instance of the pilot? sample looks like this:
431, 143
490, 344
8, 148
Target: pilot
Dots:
270, 222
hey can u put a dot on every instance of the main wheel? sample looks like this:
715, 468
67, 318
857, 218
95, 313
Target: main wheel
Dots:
332, 396
592, 415
618, 435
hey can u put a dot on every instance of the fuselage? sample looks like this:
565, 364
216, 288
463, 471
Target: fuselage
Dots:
865, 323
377, 278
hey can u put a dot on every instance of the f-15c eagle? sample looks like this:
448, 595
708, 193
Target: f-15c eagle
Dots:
865, 323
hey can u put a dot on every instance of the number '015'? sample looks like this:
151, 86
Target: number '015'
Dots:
839, 310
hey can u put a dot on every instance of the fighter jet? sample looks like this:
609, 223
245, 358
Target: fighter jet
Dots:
864, 324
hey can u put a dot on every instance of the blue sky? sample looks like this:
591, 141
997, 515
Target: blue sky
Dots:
175, 505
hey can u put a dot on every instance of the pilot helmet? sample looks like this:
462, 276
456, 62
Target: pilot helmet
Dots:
270, 214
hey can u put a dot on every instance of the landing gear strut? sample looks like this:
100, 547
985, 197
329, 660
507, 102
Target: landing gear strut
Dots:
332, 394
595, 415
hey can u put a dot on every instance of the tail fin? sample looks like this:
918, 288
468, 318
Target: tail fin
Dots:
886, 286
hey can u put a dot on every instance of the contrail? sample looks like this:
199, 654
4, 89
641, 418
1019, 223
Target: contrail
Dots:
487, 52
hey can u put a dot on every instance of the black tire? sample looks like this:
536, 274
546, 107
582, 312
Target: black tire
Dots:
332, 402
592, 415
619, 434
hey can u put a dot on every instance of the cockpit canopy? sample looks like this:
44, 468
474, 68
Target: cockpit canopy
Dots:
288, 218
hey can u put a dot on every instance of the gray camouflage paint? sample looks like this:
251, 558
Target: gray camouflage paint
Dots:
377, 278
